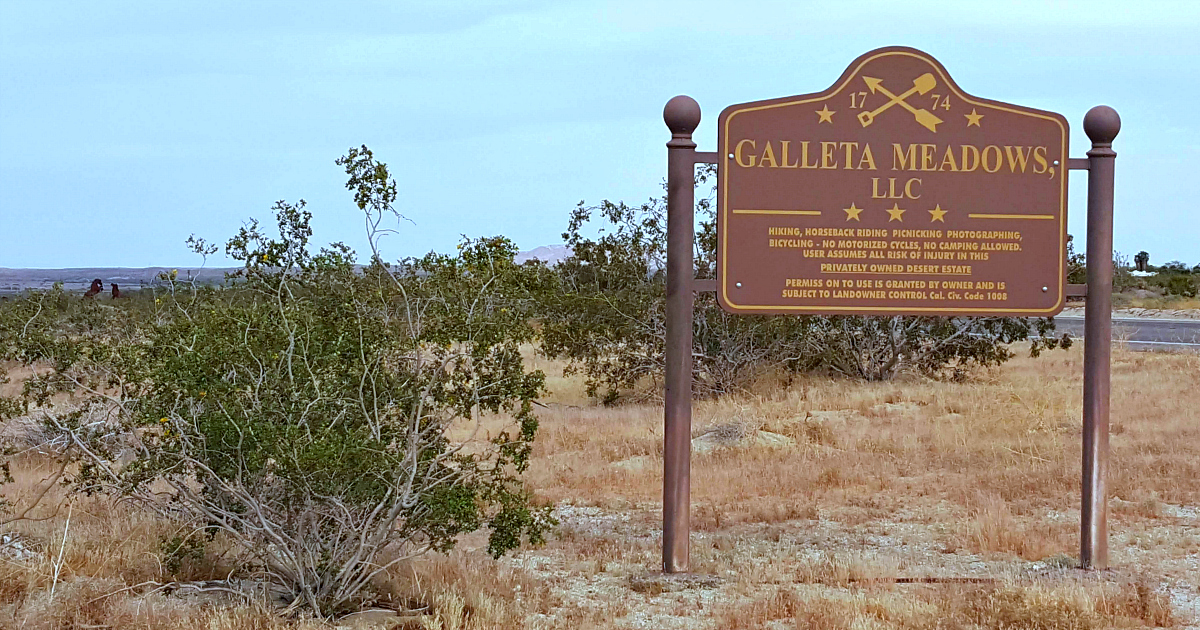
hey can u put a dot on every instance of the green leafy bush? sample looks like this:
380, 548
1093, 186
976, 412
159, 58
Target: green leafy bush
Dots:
1076, 263
1183, 285
608, 319
1123, 279
327, 419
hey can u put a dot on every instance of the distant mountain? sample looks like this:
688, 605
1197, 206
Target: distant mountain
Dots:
549, 254
80, 278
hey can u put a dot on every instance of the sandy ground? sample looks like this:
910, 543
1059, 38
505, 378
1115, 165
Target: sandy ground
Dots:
835, 504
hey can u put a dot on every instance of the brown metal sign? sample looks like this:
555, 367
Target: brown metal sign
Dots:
892, 192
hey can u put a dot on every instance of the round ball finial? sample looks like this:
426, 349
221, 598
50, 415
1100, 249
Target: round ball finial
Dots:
1101, 124
682, 115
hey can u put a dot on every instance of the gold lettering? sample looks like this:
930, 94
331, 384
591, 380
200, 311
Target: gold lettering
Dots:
908, 188
738, 155
849, 156
866, 157
804, 156
948, 163
927, 157
970, 157
988, 150
783, 155
827, 159
900, 161
1017, 158
768, 154
893, 191
1039, 156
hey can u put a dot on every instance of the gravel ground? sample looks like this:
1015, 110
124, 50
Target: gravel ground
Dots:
751, 561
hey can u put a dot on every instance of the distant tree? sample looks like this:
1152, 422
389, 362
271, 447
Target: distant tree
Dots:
1175, 266
1142, 260
1077, 268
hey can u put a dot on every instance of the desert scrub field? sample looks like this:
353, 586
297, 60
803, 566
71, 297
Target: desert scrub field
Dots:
820, 503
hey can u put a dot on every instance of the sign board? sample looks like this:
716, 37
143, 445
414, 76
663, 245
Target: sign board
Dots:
892, 192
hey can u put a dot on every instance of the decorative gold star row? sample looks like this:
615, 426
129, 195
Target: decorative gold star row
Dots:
826, 115
896, 213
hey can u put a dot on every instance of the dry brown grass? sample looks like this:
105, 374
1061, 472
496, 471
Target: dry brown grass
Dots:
915, 478
1172, 302
1012, 434
992, 528
1028, 606
91, 603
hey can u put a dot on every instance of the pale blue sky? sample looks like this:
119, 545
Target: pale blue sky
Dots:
126, 126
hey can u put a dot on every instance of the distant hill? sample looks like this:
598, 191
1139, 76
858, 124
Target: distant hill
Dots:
549, 254
80, 278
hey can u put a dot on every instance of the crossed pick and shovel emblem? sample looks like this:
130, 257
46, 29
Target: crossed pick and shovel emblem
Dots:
921, 85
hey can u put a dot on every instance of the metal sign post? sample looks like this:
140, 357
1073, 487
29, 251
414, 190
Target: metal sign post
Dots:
682, 115
804, 227
1101, 124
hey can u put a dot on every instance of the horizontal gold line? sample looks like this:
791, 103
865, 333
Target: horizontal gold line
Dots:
810, 213
924, 309
1011, 216
901, 273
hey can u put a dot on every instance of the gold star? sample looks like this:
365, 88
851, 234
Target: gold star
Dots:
973, 117
937, 214
895, 213
852, 213
825, 114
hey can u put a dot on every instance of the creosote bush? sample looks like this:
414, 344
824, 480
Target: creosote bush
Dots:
608, 319
302, 409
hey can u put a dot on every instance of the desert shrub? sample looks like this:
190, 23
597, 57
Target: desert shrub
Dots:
879, 348
326, 419
178, 550
1180, 284
1123, 278
608, 319
1076, 263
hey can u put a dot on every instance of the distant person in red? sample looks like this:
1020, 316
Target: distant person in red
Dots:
97, 287
116, 293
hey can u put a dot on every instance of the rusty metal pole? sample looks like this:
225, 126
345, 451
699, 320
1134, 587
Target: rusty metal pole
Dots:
1101, 125
682, 115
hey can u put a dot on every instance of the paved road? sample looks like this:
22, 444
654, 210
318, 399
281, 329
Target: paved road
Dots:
1144, 333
